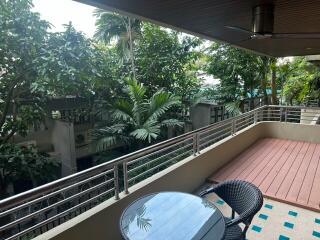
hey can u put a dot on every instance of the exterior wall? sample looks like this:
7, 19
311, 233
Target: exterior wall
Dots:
200, 116
63, 141
292, 131
41, 138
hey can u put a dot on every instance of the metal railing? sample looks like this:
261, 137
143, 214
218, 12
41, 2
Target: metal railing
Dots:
38, 210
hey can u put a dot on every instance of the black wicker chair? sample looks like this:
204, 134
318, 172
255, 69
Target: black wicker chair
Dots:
244, 198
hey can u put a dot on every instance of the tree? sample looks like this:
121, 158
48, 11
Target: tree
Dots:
166, 60
24, 164
22, 36
124, 30
301, 81
237, 70
68, 64
241, 73
137, 118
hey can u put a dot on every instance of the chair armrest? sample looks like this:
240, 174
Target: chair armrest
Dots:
207, 191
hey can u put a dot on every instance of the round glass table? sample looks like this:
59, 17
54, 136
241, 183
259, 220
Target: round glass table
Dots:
172, 215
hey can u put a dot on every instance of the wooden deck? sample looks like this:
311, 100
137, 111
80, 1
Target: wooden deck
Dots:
284, 170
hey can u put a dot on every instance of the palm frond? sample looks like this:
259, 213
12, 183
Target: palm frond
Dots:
171, 123
233, 108
109, 136
123, 111
148, 131
136, 90
159, 103
110, 26
137, 93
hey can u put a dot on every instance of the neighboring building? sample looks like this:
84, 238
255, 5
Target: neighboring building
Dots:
206, 113
66, 134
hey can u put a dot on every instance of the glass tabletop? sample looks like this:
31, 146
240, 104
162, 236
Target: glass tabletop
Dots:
172, 215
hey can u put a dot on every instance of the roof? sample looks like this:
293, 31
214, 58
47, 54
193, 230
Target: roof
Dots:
208, 18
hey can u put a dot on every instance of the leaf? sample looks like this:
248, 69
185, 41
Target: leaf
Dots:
172, 123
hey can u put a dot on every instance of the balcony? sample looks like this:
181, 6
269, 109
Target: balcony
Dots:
272, 146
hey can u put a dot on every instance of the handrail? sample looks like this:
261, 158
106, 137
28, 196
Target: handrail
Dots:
51, 186
142, 163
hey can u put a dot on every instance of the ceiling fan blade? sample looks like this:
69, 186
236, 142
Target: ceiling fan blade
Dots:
239, 29
296, 35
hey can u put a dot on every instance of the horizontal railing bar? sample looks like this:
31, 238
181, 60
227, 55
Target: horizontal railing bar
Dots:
240, 127
57, 216
294, 107
158, 151
151, 169
53, 193
245, 119
46, 188
297, 119
310, 118
157, 159
216, 128
9, 225
222, 130
210, 141
245, 116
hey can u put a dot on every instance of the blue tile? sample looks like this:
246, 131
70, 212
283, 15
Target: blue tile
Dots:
316, 234
293, 213
269, 206
317, 220
263, 216
288, 225
220, 202
282, 237
256, 228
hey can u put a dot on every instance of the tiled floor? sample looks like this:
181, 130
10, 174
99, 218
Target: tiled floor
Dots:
284, 170
278, 221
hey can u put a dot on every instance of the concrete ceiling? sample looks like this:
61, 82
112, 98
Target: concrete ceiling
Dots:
208, 18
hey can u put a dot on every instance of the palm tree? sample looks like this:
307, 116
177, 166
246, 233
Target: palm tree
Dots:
114, 27
137, 118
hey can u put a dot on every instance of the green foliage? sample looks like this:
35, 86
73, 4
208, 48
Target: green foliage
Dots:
112, 27
25, 163
68, 64
137, 118
301, 81
22, 36
123, 30
166, 60
240, 72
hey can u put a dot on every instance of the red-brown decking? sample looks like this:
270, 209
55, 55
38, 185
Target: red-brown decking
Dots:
284, 170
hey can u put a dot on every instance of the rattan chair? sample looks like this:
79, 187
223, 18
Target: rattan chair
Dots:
245, 200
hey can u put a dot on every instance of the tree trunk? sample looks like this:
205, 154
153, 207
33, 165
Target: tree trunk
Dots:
264, 90
273, 87
131, 49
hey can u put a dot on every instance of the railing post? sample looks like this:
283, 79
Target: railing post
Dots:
125, 177
255, 116
285, 114
198, 142
281, 112
116, 182
233, 128
195, 144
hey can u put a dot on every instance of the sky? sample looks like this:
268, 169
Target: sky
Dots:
59, 12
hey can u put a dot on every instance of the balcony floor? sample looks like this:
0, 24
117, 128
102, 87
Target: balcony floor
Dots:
278, 220
284, 170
